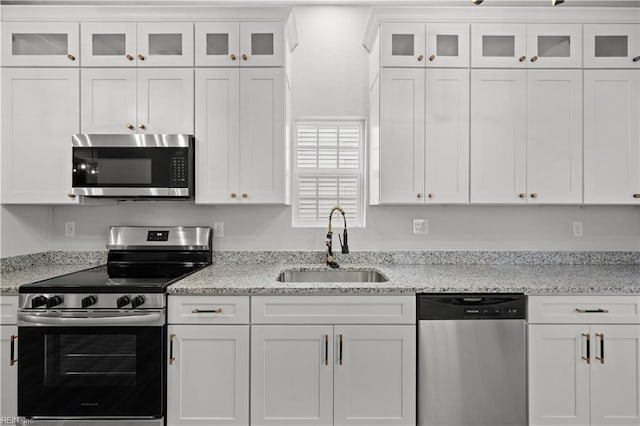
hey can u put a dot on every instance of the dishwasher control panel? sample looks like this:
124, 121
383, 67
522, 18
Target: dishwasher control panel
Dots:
465, 306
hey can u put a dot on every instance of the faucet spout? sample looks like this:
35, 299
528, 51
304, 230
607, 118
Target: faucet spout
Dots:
329, 241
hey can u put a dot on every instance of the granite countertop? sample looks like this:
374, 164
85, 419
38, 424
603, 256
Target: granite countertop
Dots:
10, 281
410, 279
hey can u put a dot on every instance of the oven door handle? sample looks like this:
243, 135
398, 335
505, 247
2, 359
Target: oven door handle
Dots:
153, 318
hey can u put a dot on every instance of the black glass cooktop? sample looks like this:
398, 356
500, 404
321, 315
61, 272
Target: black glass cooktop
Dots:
97, 280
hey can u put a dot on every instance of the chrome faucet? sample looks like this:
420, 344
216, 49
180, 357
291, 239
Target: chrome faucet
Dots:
343, 241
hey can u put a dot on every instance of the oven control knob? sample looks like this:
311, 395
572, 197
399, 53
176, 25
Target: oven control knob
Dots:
123, 301
54, 301
137, 301
38, 301
89, 301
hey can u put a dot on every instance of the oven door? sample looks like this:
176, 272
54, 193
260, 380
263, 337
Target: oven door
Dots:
91, 371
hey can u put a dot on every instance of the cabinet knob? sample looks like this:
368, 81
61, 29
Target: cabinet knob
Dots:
432, 195
522, 58
636, 59
432, 58
636, 195
70, 56
129, 126
534, 195
129, 57
534, 58
420, 195
141, 57
142, 126
233, 57
245, 195
234, 195
420, 58
522, 195
244, 57
70, 195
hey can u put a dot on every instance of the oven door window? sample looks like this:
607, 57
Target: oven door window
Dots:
91, 371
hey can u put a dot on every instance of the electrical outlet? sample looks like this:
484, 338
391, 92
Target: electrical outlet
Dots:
218, 229
69, 229
420, 226
577, 229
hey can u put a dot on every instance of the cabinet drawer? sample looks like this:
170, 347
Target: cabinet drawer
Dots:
8, 310
208, 309
584, 309
343, 309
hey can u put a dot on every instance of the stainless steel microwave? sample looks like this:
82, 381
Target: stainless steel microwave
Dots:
133, 166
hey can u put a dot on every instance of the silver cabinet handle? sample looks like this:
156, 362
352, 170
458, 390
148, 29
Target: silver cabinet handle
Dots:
588, 339
207, 311
601, 357
592, 311
12, 356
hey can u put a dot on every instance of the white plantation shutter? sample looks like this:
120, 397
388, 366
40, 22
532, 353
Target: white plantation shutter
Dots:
328, 171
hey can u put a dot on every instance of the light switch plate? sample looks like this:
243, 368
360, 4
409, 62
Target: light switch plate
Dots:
218, 229
420, 226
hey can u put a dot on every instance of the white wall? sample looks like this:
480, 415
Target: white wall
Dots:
329, 79
24, 229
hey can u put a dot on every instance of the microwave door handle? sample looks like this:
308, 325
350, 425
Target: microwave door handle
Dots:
154, 318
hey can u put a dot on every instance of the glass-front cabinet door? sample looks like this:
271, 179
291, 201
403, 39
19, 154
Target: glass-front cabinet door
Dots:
554, 46
261, 44
612, 46
402, 45
165, 44
108, 44
498, 46
218, 44
447, 45
40, 44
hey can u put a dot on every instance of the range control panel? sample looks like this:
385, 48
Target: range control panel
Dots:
471, 306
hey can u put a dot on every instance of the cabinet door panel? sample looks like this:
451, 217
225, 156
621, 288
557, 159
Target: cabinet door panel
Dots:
498, 148
8, 371
165, 101
447, 136
217, 135
108, 44
611, 136
402, 45
108, 100
165, 44
262, 135
40, 110
291, 375
375, 377
40, 44
554, 46
447, 45
615, 376
208, 383
402, 135
554, 136
612, 46
218, 44
262, 44
558, 376
498, 46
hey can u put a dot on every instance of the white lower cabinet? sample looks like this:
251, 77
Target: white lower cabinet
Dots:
584, 374
8, 371
208, 367
333, 374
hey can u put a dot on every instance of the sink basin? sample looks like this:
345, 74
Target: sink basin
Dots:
332, 276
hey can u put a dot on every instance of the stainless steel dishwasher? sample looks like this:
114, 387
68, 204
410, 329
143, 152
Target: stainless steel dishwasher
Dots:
471, 360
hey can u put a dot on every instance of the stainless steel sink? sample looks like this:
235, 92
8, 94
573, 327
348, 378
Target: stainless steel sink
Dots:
332, 276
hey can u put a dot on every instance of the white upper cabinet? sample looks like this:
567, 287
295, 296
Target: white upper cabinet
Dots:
611, 137
53, 44
612, 46
40, 110
420, 45
120, 100
526, 46
124, 44
245, 44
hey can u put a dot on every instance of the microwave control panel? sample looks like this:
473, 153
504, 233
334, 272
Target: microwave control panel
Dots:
179, 169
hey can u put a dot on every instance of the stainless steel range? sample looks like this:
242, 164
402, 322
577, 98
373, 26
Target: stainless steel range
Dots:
92, 343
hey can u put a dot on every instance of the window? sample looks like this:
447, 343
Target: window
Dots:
328, 170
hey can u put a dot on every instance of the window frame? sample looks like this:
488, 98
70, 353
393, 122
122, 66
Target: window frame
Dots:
361, 172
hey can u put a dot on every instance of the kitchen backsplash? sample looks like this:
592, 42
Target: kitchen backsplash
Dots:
15, 263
